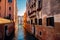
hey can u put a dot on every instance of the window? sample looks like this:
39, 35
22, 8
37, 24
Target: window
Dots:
28, 13
34, 4
40, 21
31, 21
9, 16
40, 33
0, 0
9, 8
39, 4
50, 21
35, 0
10, 1
28, 22
28, 1
6, 26
36, 21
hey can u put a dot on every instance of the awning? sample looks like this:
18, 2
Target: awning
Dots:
4, 21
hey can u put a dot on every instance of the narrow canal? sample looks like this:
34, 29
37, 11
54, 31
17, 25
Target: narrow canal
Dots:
20, 34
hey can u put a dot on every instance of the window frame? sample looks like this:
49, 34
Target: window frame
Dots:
10, 8
10, 1
35, 21
40, 33
31, 21
50, 21
40, 21
39, 6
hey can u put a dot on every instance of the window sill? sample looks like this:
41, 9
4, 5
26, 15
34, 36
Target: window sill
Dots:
50, 26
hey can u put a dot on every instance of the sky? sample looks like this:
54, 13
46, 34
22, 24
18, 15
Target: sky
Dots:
21, 5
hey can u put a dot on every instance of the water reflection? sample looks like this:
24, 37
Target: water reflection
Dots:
22, 34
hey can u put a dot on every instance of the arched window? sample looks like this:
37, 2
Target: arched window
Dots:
36, 21
9, 8
40, 21
10, 1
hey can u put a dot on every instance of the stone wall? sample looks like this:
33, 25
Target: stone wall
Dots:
55, 6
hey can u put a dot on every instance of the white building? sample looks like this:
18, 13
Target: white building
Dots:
20, 19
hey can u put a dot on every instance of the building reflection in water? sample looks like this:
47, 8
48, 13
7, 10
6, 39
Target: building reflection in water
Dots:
20, 33
23, 34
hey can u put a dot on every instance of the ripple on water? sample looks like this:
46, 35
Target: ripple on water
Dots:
20, 33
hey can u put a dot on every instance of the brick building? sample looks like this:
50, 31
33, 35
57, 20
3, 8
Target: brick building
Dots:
44, 19
8, 10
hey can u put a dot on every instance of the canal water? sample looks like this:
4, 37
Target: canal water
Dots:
21, 36
20, 33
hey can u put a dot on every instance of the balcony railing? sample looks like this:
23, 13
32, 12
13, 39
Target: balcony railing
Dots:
8, 17
39, 5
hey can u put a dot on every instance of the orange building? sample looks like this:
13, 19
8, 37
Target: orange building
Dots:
25, 19
8, 8
6, 29
2, 7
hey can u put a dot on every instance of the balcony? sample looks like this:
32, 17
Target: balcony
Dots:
39, 5
8, 17
32, 9
33, 16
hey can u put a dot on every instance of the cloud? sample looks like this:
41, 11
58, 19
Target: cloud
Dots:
21, 12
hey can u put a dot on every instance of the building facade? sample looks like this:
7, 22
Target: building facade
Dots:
44, 19
8, 8
20, 19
